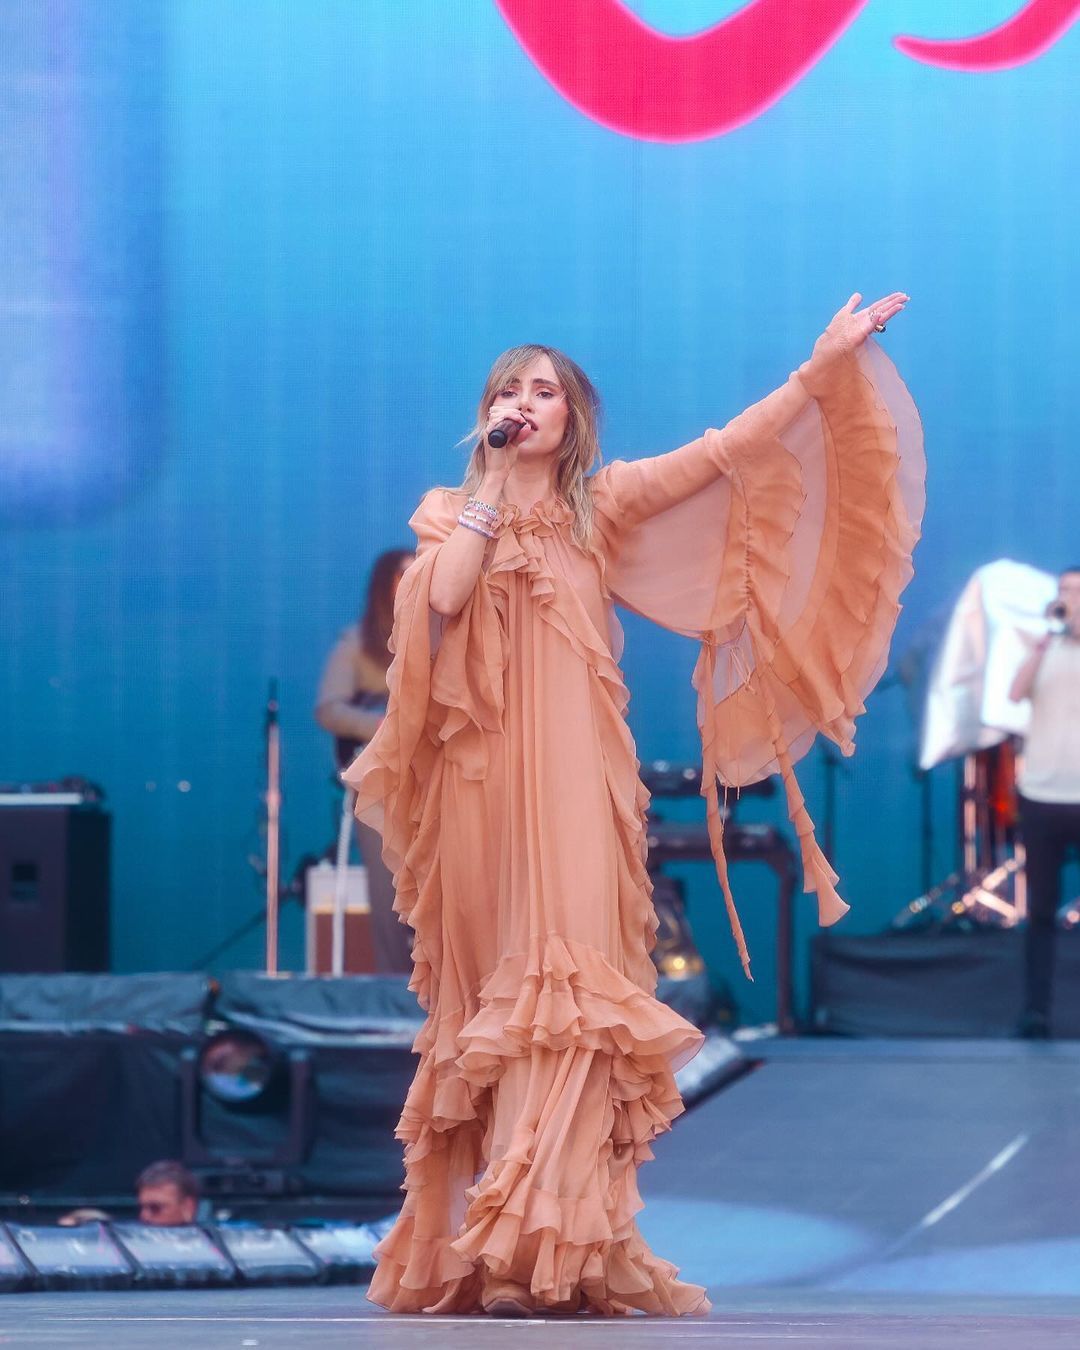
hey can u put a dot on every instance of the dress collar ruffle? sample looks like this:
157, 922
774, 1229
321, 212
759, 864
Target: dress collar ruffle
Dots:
542, 518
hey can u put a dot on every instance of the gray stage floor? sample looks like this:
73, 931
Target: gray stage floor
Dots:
306, 1318
846, 1193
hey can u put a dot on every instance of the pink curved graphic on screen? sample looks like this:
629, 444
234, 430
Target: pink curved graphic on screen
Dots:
1021, 38
620, 72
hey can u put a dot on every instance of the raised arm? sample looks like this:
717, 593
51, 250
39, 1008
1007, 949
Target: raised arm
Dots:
1024, 679
787, 566
462, 555
640, 489
460, 559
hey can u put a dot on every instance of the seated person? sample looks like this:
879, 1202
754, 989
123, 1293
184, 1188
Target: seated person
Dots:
168, 1195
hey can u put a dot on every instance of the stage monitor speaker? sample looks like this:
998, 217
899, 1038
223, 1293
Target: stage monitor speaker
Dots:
54, 884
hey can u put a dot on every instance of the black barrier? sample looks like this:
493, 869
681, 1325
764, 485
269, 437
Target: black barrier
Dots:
83, 1111
81, 1115
934, 984
372, 1007
89, 1077
90, 1094
167, 1003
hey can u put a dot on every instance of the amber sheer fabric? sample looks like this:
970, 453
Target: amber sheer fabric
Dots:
504, 782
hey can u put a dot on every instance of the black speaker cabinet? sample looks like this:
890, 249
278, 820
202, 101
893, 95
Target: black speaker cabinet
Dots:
54, 886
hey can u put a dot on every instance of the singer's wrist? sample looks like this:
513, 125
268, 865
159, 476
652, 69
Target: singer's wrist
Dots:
491, 488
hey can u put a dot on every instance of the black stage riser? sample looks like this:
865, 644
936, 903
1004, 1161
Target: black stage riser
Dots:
92, 1081
935, 984
91, 1078
80, 1116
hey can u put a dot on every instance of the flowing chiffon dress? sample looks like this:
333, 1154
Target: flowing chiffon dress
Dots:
505, 785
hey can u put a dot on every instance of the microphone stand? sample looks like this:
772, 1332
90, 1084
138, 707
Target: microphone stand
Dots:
273, 828
341, 884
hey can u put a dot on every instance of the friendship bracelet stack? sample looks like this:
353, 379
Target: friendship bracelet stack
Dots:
477, 515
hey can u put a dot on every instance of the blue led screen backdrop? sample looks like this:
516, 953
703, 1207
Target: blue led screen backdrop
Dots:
257, 257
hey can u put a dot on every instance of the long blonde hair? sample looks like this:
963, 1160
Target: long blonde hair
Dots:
580, 449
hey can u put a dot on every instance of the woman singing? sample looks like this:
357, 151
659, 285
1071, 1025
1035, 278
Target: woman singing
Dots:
504, 784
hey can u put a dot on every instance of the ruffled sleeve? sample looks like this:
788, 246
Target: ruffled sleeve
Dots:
782, 543
445, 697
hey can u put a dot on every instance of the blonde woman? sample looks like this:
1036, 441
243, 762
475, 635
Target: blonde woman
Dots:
504, 784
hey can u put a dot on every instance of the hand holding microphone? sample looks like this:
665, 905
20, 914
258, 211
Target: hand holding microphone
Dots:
1058, 616
502, 432
504, 426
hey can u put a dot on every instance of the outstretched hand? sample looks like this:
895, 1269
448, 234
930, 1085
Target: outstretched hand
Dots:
851, 326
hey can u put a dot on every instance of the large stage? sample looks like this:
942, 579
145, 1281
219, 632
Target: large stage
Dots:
846, 1193
306, 1319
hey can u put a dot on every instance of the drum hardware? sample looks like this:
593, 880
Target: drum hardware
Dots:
676, 953
988, 889
963, 680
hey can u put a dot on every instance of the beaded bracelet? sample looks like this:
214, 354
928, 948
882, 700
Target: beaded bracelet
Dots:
472, 524
475, 504
482, 514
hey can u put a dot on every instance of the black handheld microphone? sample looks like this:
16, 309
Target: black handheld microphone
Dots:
502, 432
1058, 615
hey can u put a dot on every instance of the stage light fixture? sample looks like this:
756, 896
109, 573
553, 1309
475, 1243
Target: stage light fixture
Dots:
15, 1271
84, 1257
269, 1255
238, 1072
346, 1250
180, 1257
239, 1067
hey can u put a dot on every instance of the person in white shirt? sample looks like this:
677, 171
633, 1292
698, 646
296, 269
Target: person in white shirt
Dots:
1049, 785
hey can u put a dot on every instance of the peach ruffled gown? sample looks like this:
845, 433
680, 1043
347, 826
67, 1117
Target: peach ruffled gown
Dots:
504, 781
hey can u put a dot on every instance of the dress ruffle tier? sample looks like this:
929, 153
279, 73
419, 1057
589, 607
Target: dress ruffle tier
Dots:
570, 1066
505, 784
